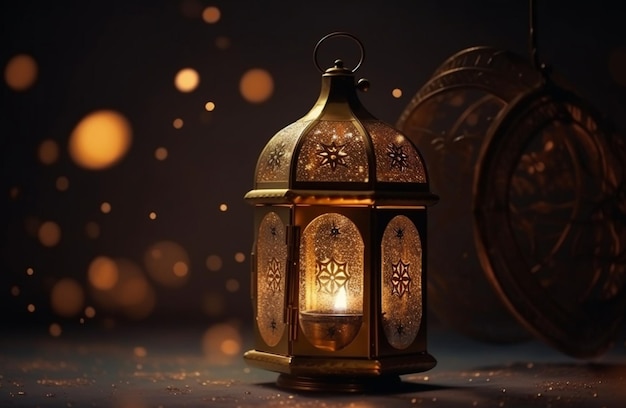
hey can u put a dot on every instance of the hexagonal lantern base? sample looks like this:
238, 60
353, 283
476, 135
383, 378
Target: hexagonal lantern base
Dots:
340, 374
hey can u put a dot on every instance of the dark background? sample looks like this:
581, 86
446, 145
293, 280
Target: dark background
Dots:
124, 55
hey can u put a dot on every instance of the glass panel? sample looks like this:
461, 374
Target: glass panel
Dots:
401, 282
397, 159
331, 281
275, 159
333, 151
271, 269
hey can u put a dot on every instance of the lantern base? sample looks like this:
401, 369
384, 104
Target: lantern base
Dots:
340, 374
387, 383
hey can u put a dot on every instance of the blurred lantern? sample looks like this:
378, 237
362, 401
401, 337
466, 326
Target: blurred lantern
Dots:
534, 203
339, 258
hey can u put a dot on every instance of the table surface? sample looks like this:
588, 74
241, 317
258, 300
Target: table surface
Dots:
137, 368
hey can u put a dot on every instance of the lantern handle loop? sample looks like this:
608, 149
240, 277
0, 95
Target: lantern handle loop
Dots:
338, 34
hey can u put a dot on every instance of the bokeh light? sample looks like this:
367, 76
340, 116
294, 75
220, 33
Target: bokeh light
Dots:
55, 330
223, 207
214, 263
103, 273
160, 153
209, 106
100, 140
140, 352
15, 290
167, 263
67, 297
211, 14
256, 85
105, 207
20, 72
396, 93
49, 233
178, 123
617, 65
48, 152
30, 271
240, 257
62, 183
187, 80
31, 308
221, 344
232, 285
132, 294
90, 312
152, 215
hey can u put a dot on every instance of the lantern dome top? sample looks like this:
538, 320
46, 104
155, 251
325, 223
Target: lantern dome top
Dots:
340, 151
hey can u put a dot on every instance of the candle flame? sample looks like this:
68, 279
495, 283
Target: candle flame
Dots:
341, 300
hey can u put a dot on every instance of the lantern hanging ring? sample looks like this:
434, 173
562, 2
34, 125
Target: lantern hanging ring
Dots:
339, 34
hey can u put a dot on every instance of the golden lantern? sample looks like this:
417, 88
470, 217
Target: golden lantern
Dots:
339, 258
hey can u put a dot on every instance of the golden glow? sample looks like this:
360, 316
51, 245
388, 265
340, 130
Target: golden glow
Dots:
223, 207
167, 263
90, 312
30, 307
67, 297
92, 230
49, 233
100, 140
256, 85
396, 93
341, 300
232, 285
221, 344
105, 207
152, 215
214, 263
240, 257
211, 15
20, 72
48, 151
30, 271
187, 80
103, 273
62, 183
160, 153
55, 330
209, 106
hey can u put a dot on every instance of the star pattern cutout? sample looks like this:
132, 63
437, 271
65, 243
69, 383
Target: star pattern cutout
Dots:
400, 233
273, 275
400, 331
334, 231
399, 159
275, 157
332, 155
400, 278
331, 275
